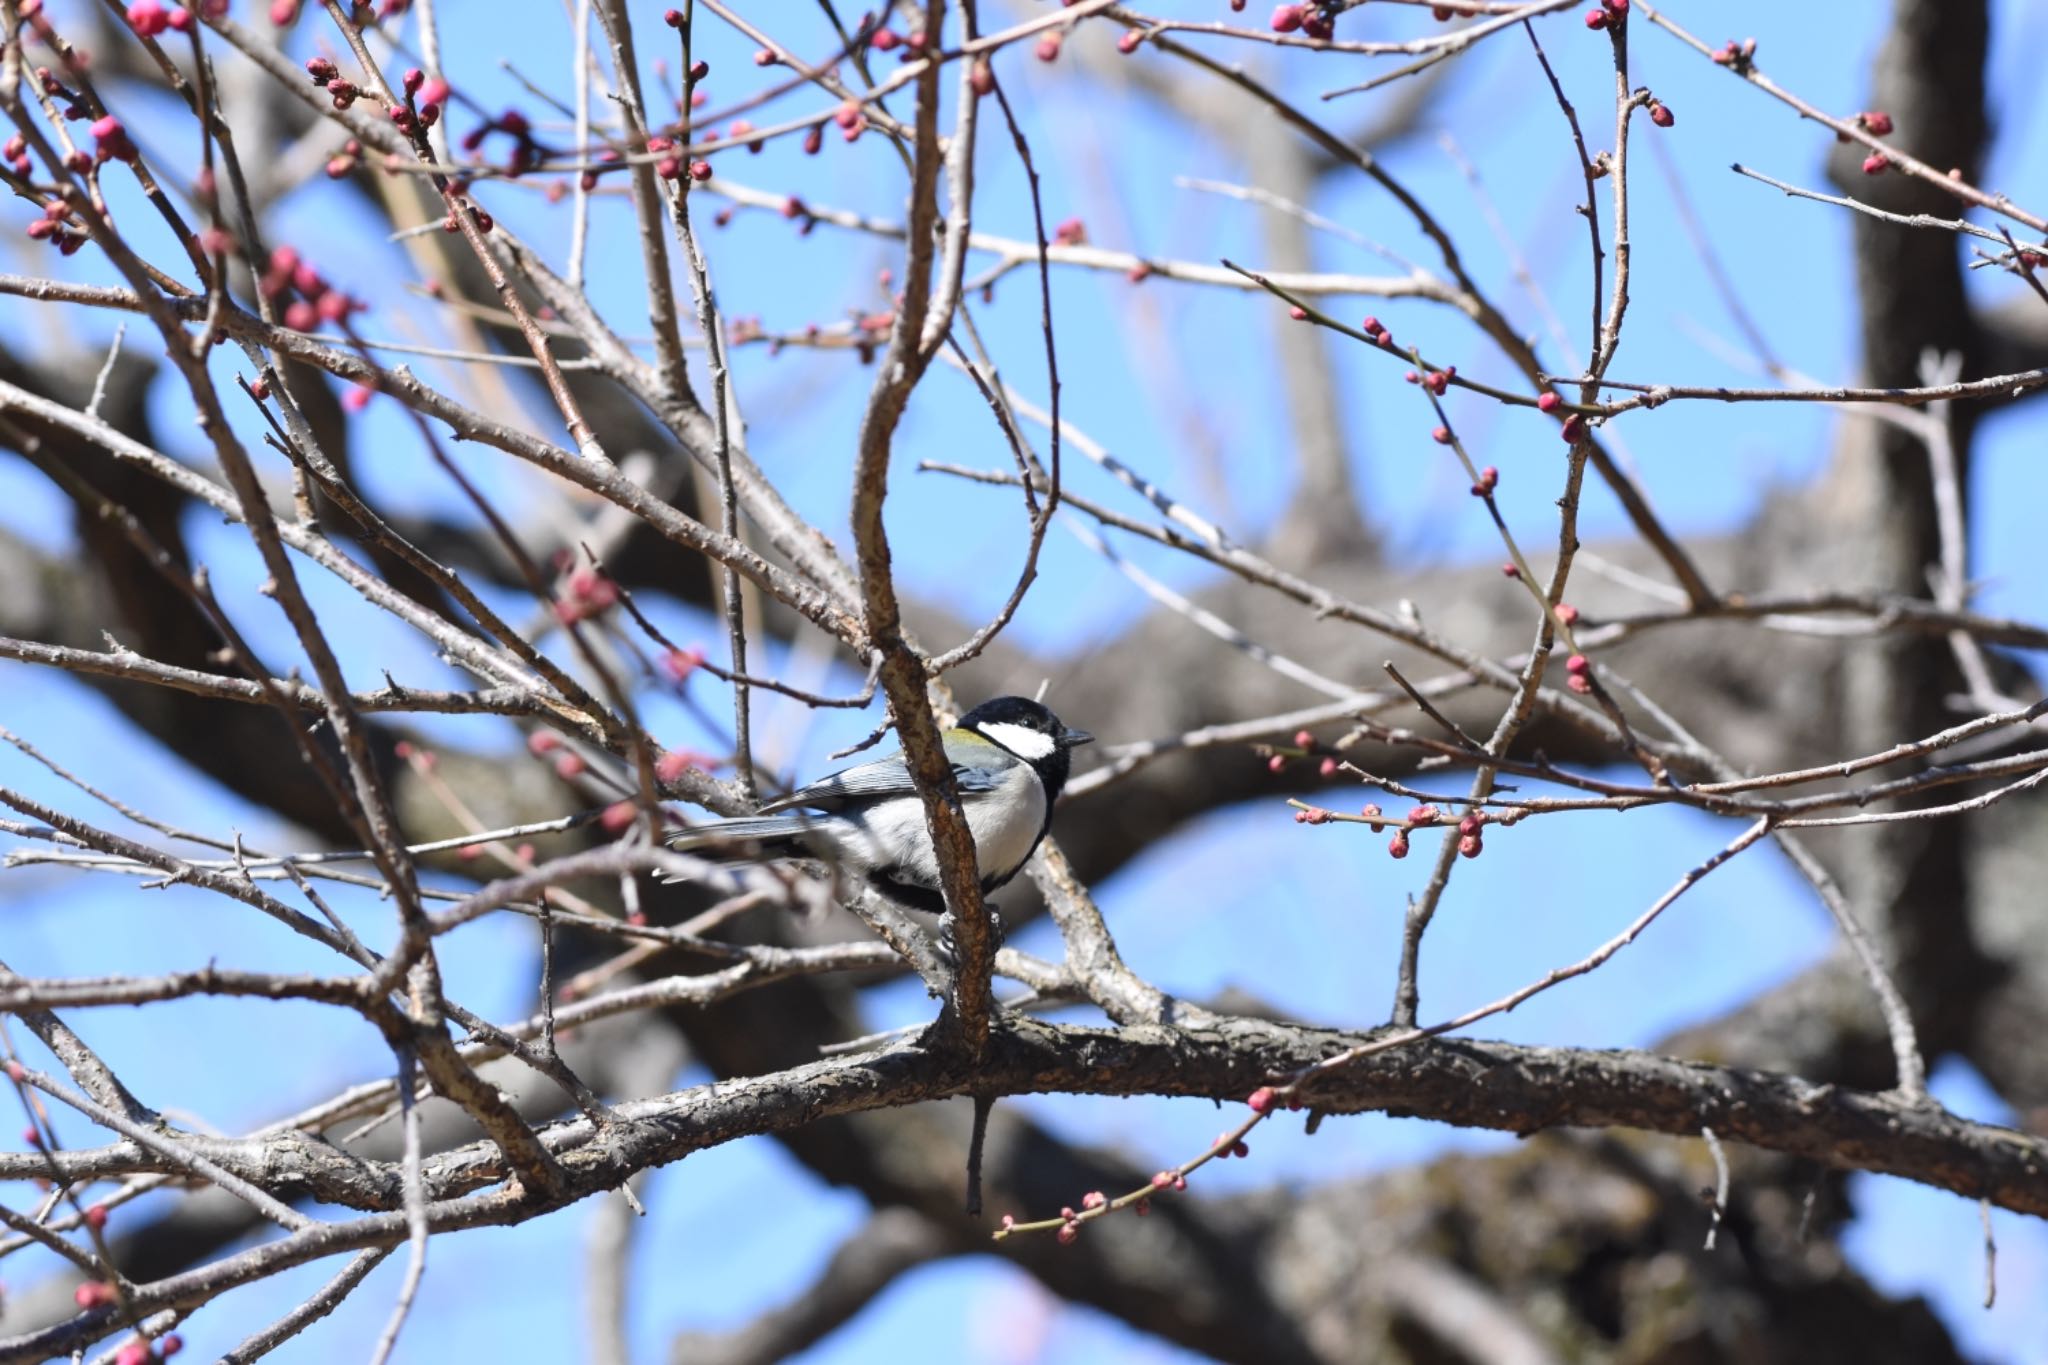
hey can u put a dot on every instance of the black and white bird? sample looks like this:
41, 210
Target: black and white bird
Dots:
1010, 759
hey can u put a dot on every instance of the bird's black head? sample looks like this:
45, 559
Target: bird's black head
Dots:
1029, 731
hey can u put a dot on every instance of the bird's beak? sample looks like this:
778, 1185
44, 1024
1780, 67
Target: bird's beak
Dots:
1073, 738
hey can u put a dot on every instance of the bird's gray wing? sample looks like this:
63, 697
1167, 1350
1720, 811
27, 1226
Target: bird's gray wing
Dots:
883, 777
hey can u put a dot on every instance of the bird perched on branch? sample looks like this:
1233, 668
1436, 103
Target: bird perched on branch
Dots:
1010, 759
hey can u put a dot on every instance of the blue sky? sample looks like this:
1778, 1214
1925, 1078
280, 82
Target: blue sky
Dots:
1240, 898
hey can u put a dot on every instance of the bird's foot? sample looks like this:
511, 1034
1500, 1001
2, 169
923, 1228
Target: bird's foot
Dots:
947, 953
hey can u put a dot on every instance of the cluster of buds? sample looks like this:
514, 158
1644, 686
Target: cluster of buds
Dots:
422, 760
141, 1351
317, 301
1434, 381
1488, 480
328, 77
1578, 671
1579, 674
1318, 21
1306, 743
57, 228
1877, 123
1470, 842
1420, 818
671, 766
150, 19
484, 222
567, 763
609, 156
798, 212
344, 162
852, 119
679, 664
15, 153
667, 165
1377, 333
110, 140
907, 47
590, 593
1737, 57
74, 108
424, 99
871, 333
1611, 14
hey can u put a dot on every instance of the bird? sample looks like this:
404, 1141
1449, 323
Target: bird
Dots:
1010, 760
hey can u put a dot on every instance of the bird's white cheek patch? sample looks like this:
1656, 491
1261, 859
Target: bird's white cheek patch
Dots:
1021, 740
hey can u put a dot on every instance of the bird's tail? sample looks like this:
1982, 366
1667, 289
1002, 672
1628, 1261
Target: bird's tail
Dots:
747, 838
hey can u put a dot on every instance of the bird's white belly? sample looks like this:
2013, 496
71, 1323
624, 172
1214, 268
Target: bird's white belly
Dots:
1005, 824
